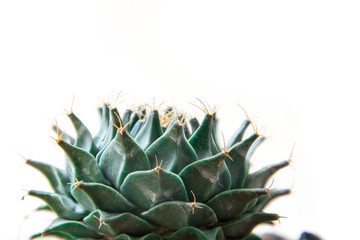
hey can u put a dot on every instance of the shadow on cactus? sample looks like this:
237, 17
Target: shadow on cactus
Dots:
153, 174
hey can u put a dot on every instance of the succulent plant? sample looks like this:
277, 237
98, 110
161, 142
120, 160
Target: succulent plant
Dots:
151, 174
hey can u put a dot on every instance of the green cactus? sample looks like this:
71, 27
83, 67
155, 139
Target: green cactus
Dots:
148, 175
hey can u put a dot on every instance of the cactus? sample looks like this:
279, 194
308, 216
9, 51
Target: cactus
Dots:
156, 175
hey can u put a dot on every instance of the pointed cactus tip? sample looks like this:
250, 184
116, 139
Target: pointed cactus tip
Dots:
194, 205
70, 111
76, 184
269, 189
279, 217
43, 234
58, 137
115, 102
67, 112
227, 151
183, 118
254, 126
153, 106
224, 148
101, 222
158, 168
166, 118
204, 108
25, 160
108, 105
214, 110
120, 128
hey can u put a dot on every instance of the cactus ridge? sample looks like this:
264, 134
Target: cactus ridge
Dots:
156, 175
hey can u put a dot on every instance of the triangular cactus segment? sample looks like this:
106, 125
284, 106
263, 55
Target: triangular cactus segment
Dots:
216, 146
126, 116
142, 111
84, 138
74, 229
63, 206
115, 120
150, 131
259, 178
194, 124
232, 203
136, 128
239, 134
236, 161
56, 177
134, 117
244, 225
113, 224
121, 157
187, 131
167, 118
252, 149
149, 188
105, 121
264, 200
172, 122
201, 215
64, 136
173, 149
94, 196
223, 182
202, 139
83, 164
171, 215
175, 215
205, 177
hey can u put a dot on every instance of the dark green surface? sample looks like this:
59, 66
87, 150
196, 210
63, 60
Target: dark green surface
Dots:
147, 176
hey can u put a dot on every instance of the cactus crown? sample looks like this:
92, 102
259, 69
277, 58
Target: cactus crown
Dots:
154, 175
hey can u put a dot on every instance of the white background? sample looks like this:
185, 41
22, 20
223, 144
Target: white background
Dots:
294, 65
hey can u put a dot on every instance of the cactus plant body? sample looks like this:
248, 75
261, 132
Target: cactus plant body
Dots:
152, 175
